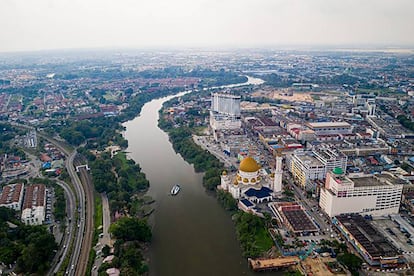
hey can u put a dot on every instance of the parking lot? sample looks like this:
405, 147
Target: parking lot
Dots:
392, 233
49, 203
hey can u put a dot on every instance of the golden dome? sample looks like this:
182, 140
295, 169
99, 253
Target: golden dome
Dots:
235, 182
245, 180
224, 172
253, 180
239, 178
248, 164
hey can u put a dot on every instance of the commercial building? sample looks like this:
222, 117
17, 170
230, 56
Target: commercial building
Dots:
330, 157
12, 196
325, 128
33, 211
376, 195
306, 166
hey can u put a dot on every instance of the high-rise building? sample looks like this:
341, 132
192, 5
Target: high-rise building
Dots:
225, 104
225, 112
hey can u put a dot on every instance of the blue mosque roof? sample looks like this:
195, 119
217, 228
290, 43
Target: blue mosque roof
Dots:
262, 193
247, 202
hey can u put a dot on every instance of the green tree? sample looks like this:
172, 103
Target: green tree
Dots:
130, 229
351, 261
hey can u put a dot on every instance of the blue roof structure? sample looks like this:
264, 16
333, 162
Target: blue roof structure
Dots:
247, 202
262, 193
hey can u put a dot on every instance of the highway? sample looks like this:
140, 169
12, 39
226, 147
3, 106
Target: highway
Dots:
85, 196
78, 261
86, 225
68, 235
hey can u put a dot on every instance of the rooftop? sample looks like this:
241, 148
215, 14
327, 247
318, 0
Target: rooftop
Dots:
262, 193
376, 180
372, 241
328, 124
298, 219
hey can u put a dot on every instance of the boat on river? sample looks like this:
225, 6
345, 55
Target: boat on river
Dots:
175, 189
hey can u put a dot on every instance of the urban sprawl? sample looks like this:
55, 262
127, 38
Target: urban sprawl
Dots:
320, 142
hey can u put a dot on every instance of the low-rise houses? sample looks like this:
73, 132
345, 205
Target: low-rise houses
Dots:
33, 210
12, 196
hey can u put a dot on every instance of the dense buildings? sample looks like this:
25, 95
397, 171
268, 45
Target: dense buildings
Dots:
368, 194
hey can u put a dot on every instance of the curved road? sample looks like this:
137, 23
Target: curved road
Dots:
84, 191
70, 211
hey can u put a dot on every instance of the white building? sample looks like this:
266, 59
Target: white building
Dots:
305, 167
324, 128
277, 182
247, 183
312, 165
376, 195
12, 196
225, 104
330, 157
225, 112
33, 212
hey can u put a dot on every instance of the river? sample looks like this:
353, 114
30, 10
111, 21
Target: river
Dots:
192, 233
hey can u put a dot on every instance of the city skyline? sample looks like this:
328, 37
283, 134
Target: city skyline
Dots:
46, 24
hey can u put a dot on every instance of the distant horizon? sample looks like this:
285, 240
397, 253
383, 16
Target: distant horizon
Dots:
79, 24
298, 47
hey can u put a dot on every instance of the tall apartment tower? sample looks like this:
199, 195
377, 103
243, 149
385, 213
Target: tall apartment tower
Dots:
225, 112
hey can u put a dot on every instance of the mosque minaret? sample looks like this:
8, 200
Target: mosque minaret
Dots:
277, 183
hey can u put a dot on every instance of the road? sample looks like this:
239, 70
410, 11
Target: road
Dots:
318, 216
104, 238
86, 225
215, 150
83, 205
70, 211
84, 192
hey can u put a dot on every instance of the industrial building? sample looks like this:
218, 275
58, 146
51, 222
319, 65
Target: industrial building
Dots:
33, 211
12, 196
376, 195
293, 216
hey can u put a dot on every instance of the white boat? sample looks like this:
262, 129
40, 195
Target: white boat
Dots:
175, 189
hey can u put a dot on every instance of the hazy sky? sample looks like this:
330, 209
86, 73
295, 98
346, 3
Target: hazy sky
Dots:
54, 24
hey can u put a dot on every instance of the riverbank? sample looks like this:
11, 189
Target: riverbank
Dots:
251, 231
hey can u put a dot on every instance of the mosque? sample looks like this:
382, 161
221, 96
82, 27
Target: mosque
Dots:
250, 184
